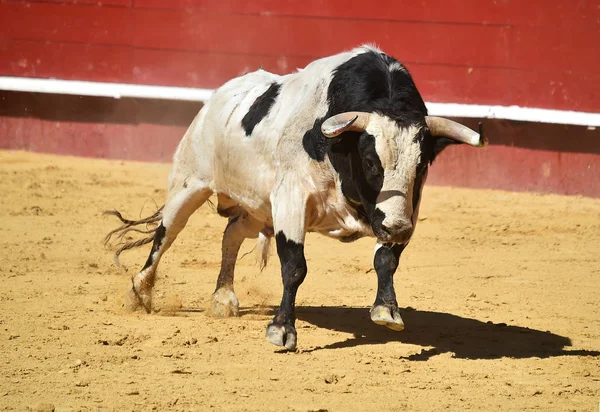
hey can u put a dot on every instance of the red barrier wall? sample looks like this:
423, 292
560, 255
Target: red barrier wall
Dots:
521, 156
534, 53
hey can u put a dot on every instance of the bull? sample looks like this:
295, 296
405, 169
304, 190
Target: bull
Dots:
341, 147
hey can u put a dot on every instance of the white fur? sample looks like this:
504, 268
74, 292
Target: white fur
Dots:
399, 155
395, 66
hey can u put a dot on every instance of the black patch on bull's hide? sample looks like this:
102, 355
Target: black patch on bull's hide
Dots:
386, 262
293, 272
314, 142
291, 256
364, 83
260, 108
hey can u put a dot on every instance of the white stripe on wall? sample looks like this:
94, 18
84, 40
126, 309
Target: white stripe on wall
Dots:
525, 114
118, 90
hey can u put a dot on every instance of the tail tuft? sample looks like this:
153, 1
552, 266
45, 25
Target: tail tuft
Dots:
128, 226
262, 250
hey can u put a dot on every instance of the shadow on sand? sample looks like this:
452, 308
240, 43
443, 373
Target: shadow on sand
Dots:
465, 338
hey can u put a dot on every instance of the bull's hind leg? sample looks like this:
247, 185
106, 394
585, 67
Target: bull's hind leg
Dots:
241, 226
177, 210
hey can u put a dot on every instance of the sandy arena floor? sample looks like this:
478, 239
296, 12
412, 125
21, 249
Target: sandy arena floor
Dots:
501, 297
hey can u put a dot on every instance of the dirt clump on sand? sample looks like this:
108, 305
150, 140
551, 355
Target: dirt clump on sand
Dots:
499, 292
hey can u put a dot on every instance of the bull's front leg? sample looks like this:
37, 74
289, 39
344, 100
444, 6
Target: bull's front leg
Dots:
289, 209
385, 309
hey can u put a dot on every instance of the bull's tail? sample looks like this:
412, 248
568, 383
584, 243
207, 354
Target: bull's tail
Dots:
150, 222
262, 248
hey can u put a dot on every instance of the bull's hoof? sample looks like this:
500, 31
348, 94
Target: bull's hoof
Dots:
135, 299
143, 296
282, 335
388, 317
132, 301
225, 303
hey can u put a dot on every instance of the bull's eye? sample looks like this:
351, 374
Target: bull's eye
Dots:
371, 167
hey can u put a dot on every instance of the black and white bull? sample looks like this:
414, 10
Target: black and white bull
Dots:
341, 147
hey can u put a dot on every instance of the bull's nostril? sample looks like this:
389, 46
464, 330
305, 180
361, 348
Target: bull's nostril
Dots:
383, 233
399, 234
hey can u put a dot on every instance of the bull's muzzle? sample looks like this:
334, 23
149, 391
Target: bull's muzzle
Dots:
396, 232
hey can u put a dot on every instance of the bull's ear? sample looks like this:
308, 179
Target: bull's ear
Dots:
440, 144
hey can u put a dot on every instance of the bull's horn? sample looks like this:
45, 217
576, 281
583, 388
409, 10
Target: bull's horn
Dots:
349, 121
455, 131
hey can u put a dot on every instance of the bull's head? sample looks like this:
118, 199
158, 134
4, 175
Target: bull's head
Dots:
391, 165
